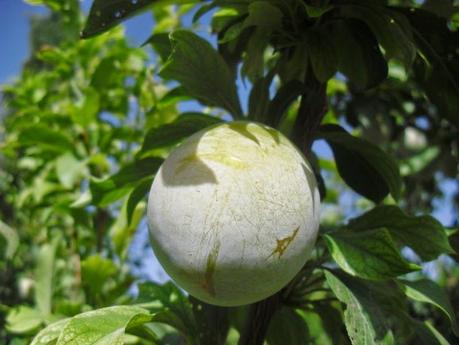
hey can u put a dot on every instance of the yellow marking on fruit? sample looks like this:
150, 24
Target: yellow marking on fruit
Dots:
211, 264
184, 162
283, 243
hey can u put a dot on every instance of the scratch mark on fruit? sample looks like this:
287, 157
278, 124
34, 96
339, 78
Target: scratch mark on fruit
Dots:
283, 243
211, 264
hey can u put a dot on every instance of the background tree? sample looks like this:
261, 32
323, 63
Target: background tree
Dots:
90, 121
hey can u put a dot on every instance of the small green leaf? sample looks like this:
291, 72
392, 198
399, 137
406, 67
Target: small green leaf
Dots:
185, 125
12, 241
287, 327
23, 319
105, 14
201, 71
263, 14
161, 44
427, 291
368, 254
43, 276
105, 326
69, 170
373, 313
284, 97
365, 167
259, 98
50, 334
107, 190
137, 194
424, 234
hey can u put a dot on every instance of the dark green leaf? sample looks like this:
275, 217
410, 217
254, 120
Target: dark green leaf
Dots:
284, 97
137, 194
105, 14
364, 167
358, 55
324, 324
185, 125
161, 44
426, 334
369, 254
322, 55
202, 71
391, 29
259, 98
424, 234
427, 291
374, 311
263, 14
287, 327
118, 185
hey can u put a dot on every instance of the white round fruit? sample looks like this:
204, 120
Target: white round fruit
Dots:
234, 213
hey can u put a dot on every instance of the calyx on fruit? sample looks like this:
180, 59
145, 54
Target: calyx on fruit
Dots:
234, 213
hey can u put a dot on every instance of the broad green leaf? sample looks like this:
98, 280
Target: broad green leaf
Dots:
105, 14
11, 241
49, 335
284, 97
287, 327
44, 277
107, 190
201, 71
424, 234
374, 311
357, 52
105, 326
365, 167
390, 28
427, 291
369, 254
23, 319
253, 62
185, 125
45, 138
88, 108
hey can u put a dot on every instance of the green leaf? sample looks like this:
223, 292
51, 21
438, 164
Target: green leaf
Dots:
259, 98
105, 326
95, 272
369, 254
137, 194
287, 327
44, 277
373, 313
324, 324
426, 334
12, 241
357, 52
323, 57
185, 125
427, 291
87, 110
23, 319
107, 190
390, 28
424, 234
284, 97
105, 14
45, 138
201, 71
161, 44
365, 167
263, 14
69, 170
50, 334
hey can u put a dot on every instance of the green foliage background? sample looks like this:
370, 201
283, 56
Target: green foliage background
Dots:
88, 122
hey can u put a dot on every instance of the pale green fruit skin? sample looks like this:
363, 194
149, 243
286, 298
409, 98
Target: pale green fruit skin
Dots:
233, 213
